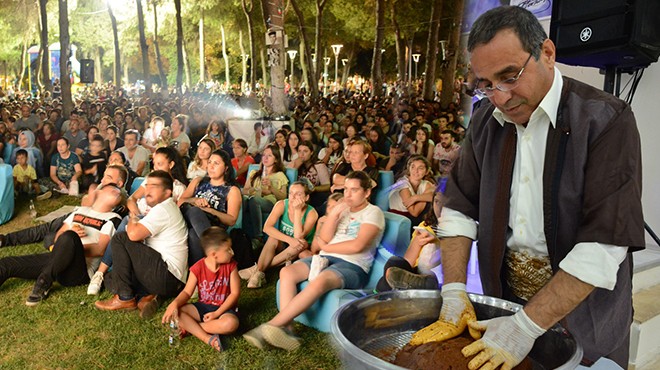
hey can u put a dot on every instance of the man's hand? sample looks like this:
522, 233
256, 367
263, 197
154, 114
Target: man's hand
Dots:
506, 342
456, 313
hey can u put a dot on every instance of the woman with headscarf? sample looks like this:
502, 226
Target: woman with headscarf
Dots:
26, 141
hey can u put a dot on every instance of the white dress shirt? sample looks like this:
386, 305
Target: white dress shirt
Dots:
591, 262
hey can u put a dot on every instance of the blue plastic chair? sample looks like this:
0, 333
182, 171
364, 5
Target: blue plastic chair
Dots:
396, 238
6, 193
136, 184
6, 153
382, 191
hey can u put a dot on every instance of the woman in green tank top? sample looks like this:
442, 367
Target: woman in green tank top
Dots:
290, 227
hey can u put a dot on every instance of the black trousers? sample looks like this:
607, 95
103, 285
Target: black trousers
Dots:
138, 269
65, 264
34, 234
394, 261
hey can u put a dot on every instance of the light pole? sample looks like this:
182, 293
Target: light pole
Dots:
325, 74
292, 56
335, 49
343, 70
416, 60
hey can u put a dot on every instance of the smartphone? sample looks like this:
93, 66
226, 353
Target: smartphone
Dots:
423, 230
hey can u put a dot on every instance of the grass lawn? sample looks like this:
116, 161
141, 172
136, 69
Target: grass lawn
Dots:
67, 332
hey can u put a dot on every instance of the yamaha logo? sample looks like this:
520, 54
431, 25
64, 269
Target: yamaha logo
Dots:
585, 34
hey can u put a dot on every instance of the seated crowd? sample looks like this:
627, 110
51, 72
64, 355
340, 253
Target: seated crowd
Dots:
169, 237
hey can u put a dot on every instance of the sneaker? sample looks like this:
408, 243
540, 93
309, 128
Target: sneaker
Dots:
256, 337
39, 292
257, 280
44, 196
280, 338
401, 279
245, 274
95, 284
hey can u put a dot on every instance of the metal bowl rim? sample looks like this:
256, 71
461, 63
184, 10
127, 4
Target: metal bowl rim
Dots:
375, 362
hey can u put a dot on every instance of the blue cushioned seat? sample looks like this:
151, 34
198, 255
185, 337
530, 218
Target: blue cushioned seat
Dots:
396, 238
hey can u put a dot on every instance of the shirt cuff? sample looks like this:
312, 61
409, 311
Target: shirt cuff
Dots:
453, 223
595, 263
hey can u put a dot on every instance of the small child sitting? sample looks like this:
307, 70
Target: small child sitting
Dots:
25, 176
216, 278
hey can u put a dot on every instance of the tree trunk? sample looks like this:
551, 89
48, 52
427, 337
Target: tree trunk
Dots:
346, 69
276, 58
400, 47
376, 76
243, 60
264, 71
98, 71
65, 51
125, 72
224, 56
446, 96
146, 75
306, 62
432, 50
116, 70
39, 65
202, 67
179, 45
317, 41
159, 60
304, 79
186, 66
45, 54
23, 67
247, 9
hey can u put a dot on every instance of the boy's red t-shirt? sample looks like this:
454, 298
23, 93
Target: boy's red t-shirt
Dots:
213, 287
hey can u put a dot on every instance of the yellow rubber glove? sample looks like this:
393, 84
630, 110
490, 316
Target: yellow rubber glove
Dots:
506, 342
456, 313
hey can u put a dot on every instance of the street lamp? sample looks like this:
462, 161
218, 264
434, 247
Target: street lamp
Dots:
292, 56
335, 49
416, 60
325, 74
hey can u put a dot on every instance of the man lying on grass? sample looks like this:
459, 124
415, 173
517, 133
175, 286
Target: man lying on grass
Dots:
76, 253
348, 240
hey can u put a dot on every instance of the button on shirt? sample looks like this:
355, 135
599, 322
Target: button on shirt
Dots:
594, 263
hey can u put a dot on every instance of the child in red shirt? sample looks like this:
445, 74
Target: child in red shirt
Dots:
216, 278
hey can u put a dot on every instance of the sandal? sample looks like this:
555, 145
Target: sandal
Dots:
215, 343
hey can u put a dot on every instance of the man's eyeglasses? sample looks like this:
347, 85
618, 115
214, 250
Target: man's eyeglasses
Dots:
504, 86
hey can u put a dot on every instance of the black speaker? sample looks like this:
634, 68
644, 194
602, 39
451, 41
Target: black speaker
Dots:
87, 71
606, 33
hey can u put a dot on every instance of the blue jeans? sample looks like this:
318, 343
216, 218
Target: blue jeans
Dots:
107, 255
197, 222
255, 212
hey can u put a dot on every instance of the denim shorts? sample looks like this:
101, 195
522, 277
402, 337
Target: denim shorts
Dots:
351, 275
204, 308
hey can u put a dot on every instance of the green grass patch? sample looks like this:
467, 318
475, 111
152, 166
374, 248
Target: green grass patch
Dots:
67, 332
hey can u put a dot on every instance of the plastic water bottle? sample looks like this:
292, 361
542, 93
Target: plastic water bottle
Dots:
173, 336
33, 211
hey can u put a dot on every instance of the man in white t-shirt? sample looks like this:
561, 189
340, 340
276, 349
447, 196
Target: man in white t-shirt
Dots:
348, 241
150, 259
76, 253
137, 155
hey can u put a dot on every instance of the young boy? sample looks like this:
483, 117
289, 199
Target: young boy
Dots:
93, 163
348, 241
216, 278
24, 175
